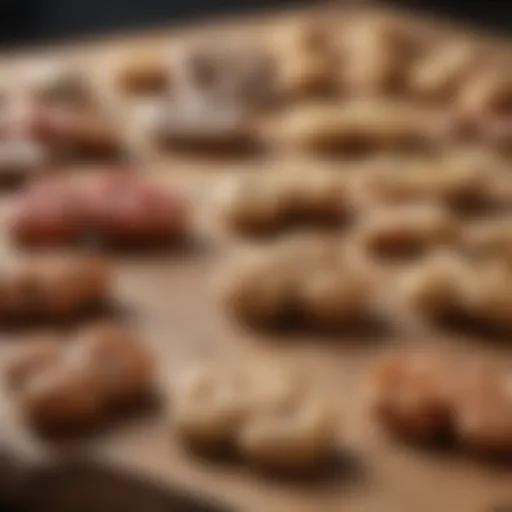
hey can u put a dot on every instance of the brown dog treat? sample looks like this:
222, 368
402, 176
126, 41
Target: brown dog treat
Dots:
411, 397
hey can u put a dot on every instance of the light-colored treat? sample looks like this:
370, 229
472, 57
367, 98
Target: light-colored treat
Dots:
210, 404
489, 298
410, 396
57, 81
408, 229
487, 93
122, 365
334, 296
354, 125
195, 122
231, 71
297, 437
307, 62
375, 57
269, 203
33, 358
490, 239
483, 412
61, 399
437, 286
143, 71
441, 72
259, 287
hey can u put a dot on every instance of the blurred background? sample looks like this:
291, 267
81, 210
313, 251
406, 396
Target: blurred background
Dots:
34, 21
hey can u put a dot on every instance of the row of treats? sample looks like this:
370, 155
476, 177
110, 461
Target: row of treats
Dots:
202, 96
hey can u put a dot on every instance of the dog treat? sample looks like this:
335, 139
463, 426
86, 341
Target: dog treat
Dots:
406, 230
143, 71
79, 383
114, 209
375, 57
293, 437
438, 286
230, 72
56, 82
320, 286
363, 124
21, 159
210, 405
269, 203
424, 398
52, 287
307, 61
195, 123
272, 423
410, 397
443, 70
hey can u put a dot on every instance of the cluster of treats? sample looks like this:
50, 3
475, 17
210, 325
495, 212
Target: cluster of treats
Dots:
312, 280
216, 91
448, 285
50, 112
116, 208
72, 384
52, 287
278, 423
428, 399
268, 203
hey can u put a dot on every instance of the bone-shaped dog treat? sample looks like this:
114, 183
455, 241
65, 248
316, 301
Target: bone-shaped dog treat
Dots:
117, 209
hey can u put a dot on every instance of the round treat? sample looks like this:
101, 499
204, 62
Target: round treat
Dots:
297, 437
437, 286
62, 399
122, 366
31, 359
210, 404
483, 412
333, 296
411, 397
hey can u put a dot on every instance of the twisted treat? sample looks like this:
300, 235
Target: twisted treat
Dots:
259, 204
114, 209
490, 239
52, 288
298, 281
359, 124
79, 384
273, 423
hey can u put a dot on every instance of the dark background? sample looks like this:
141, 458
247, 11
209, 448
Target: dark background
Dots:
32, 21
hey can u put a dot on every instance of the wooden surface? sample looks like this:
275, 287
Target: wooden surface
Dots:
173, 308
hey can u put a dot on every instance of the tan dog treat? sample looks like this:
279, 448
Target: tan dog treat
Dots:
296, 437
443, 70
210, 405
490, 239
407, 230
